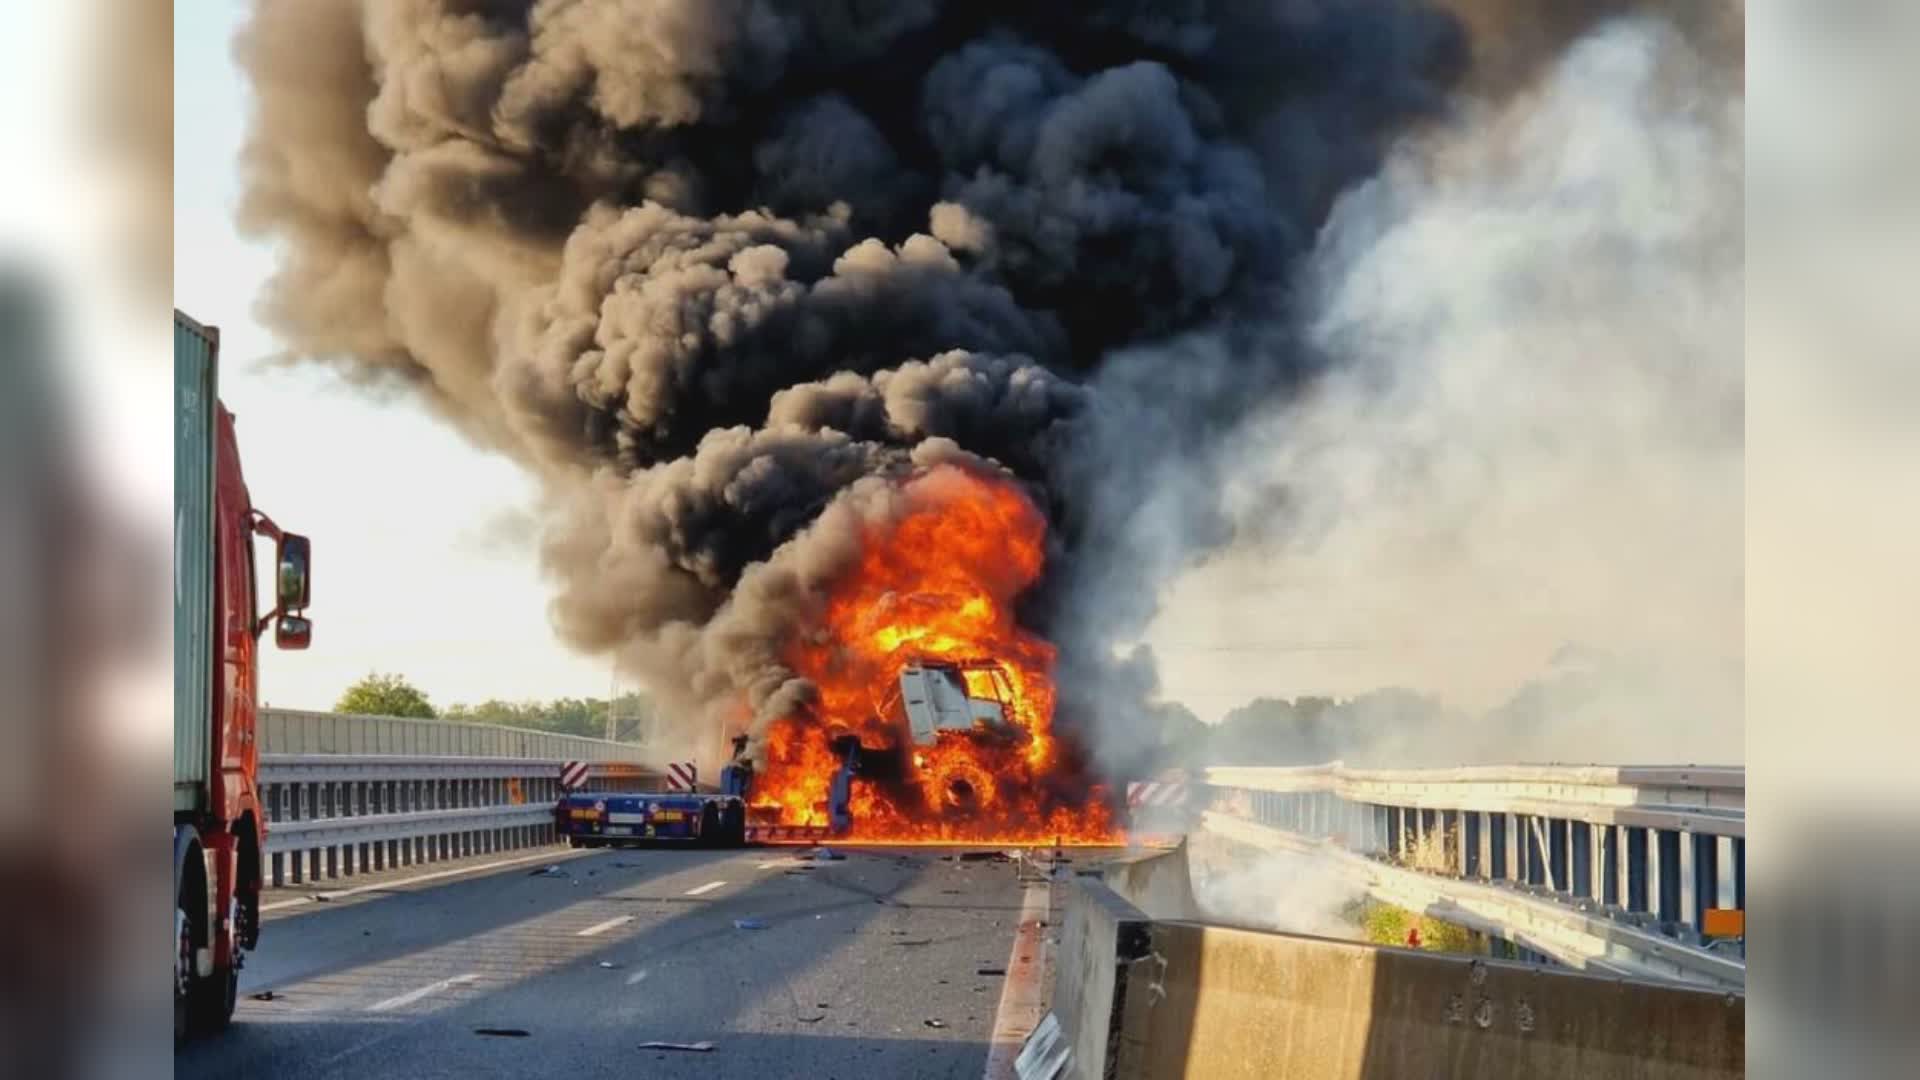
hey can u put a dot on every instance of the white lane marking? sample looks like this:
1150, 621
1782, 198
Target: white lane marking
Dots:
637, 977
601, 928
770, 864
1021, 994
412, 996
700, 890
381, 886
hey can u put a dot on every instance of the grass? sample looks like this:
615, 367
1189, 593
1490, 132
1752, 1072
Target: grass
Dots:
1386, 924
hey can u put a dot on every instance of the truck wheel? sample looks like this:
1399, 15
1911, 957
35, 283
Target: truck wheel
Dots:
710, 827
733, 826
211, 1001
182, 974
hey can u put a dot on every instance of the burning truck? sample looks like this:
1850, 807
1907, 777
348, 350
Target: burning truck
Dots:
948, 713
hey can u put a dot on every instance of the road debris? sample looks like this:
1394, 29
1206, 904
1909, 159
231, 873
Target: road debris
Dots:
546, 871
934, 1022
991, 971
320, 898
749, 924
608, 964
265, 995
502, 1033
822, 854
985, 856
701, 1047
637, 977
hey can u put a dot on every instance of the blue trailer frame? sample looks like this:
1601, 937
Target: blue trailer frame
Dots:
593, 819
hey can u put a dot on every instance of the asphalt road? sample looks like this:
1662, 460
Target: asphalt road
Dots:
865, 967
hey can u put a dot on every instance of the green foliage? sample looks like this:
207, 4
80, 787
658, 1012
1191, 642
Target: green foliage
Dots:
1386, 924
563, 716
1385, 727
384, 695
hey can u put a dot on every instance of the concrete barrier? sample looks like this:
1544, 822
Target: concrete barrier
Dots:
1137, 996
1159, 883
1221, 1003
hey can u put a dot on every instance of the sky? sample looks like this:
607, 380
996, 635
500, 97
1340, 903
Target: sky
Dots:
391, 499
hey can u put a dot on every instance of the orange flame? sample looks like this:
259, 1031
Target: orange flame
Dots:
936, 583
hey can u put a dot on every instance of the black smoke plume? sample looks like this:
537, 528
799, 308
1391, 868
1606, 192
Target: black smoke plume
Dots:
712, 267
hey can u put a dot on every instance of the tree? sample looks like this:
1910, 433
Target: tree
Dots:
384, 695
563, 716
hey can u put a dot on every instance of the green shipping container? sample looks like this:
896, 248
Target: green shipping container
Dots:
196, 381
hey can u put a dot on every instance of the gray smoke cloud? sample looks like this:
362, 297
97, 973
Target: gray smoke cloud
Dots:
1529, 436
724, 272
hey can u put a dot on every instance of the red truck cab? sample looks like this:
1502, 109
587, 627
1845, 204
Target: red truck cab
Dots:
220, 826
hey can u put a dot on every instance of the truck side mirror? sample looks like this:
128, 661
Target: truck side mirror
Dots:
294, 574
293, 632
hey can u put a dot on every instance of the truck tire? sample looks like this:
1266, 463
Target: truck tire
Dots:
733, 826
710, 826
200, 1005
211, 1001
182, 979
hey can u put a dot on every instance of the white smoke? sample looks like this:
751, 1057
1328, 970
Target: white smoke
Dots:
1533, 433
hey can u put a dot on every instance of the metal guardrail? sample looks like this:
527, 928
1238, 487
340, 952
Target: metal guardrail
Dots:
293, 731
1626, 859
1691, 799
332, 815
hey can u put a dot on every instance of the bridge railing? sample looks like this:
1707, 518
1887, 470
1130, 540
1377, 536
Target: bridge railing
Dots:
1652, 851
346, 794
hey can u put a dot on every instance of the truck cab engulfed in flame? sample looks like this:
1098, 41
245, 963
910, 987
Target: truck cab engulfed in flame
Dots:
966, 697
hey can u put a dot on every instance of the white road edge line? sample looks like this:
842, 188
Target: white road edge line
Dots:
380, 886
1021, 994
412, 996
700, 890
601, 928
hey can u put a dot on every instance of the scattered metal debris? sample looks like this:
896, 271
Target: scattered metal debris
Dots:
990, 971
702, 1047
265, 995
985, 856
608, 964
934, 1022
822, 854
546, 871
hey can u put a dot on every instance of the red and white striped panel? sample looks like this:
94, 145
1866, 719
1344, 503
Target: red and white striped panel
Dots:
573, 775
1156, 794
682, 776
